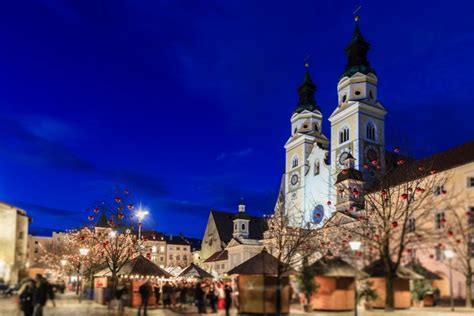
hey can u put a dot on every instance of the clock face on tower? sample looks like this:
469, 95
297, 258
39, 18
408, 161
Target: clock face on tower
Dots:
294, 179
342, 157
371, 154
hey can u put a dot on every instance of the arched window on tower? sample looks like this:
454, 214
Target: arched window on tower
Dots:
343, 135
294, 162
370, 131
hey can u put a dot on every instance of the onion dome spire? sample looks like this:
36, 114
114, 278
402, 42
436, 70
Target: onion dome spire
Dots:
356, 53
306, 94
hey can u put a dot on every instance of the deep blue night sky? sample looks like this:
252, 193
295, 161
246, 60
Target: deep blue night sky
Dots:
188, 102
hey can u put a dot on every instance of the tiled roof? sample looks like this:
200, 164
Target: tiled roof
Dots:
218, 256
225, 225
261, 264
194, 271
442, 161
176, 240
351, 173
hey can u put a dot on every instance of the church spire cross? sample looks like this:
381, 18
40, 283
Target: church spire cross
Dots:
356, 51
306, 92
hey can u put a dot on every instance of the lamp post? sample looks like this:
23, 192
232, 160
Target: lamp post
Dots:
448, 253
141, 215
355, 246
83, 252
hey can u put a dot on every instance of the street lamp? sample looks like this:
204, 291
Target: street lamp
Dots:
355, 246
448, 253
83, 252
141, 215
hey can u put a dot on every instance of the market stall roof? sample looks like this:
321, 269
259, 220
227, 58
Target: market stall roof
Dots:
377, 269
421, 270
194, 271
336, 267
140, 266
261, 264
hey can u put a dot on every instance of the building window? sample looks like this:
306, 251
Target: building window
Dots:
177, 257
171, 257
153, 249
470, 218
162, 259
411, 225
370, 131
243, 226
177, 248
294, 162
343, 135
36, 242
162, 249
438, 190
440, 220
171, 248
316, 127
316, 168
439, 255
470, 182
185, 258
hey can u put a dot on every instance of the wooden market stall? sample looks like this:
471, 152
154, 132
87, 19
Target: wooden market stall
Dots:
132, 275
195, 272
401, 284
336, 284
257, 280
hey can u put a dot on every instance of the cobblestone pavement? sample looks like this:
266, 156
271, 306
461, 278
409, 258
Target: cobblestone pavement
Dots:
69, 306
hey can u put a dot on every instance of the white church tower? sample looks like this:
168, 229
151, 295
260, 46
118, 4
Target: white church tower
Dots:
358, 122
307, 170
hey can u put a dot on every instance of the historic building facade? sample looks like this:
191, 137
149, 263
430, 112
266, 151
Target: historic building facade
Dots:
13, 242
313, 160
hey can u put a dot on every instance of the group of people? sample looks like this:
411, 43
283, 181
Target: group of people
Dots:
33, 295
215, 295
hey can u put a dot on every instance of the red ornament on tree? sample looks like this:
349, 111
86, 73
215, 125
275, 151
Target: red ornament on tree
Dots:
329, 203
125, 191
431, 256
90, 217
450, 233
366, 166
443, 221
130, 206
421, 168
355, 192
458, 241
118, 199
396, 149
374, 162
96, 210
120, 216
400, 162
394, 224
468, 213
433, 171
110, 222
404, 196
376, 237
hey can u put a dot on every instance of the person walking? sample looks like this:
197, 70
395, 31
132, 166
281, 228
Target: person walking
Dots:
26, 295
228, 299
144, 291
166, 295
157, 294
212, 297
199, 297
120, 295
41, 294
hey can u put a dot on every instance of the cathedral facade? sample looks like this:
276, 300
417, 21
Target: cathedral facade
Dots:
314, 160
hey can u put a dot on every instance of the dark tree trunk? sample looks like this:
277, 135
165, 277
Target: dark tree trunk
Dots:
469, 287
389, 297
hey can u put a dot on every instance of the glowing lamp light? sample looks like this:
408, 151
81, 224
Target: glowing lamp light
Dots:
63, 262
141, 215
83, 251
112, 234
448, 253
355, 245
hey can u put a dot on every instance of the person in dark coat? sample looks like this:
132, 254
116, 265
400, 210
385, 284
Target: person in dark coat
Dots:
41, 294
212, 297
26, 294
157, 294
145, 291
166, 295
228, 299
199, 297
